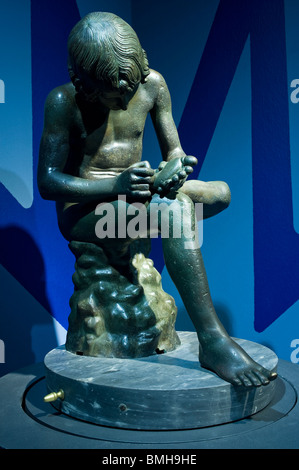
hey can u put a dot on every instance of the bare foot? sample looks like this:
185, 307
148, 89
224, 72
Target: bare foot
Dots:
173, 174
229, 361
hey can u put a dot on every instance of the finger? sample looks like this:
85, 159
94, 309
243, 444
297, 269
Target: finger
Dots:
162, 165
144, 171
182, 174
166, 183
176, 186
142, 179
175, 178
141, 194
143, 164
140, 187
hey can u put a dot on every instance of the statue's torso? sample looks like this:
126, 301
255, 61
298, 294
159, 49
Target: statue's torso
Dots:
111, 142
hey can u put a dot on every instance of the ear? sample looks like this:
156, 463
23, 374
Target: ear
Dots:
124, 86
77, 83
74, 78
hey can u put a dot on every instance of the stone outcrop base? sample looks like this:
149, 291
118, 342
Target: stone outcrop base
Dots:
114, 315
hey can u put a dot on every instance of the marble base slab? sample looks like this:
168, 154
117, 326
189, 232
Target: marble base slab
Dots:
161, 392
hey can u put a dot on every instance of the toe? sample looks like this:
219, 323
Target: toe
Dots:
273, 376
237, 382
188, 170
245, 381
267, 374
189, 160
255, 380
262, 377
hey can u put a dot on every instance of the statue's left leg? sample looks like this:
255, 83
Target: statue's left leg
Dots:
118, 307
214, 195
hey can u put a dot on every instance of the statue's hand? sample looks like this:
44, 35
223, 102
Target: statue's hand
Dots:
136, 181
173, 175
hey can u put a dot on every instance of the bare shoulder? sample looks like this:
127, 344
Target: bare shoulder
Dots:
158, 89
156, 81
62, 93
61, 98
60, 105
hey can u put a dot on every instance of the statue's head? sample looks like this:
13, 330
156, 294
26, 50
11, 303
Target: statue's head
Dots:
105, 55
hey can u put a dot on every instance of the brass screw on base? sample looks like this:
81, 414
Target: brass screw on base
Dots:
54, 396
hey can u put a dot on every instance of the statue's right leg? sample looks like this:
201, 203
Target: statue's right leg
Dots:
184, 262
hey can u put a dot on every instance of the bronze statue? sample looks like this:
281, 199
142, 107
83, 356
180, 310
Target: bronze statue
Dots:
90, 153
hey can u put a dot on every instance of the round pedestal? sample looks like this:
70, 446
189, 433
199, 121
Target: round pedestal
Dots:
162, 392
37, 425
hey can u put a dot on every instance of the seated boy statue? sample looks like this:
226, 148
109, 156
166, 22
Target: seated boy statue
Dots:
91, 152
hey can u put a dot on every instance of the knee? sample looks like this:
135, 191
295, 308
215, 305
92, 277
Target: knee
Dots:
208, 193
224, 193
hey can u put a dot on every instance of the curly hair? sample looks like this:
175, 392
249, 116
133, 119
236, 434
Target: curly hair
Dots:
106, 48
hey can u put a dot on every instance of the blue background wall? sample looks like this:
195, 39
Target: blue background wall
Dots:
229, 65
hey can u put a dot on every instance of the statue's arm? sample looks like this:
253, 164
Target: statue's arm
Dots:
53, 182
56, 184
174, 173
163, 121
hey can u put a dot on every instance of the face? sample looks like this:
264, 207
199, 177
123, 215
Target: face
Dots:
114, 99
